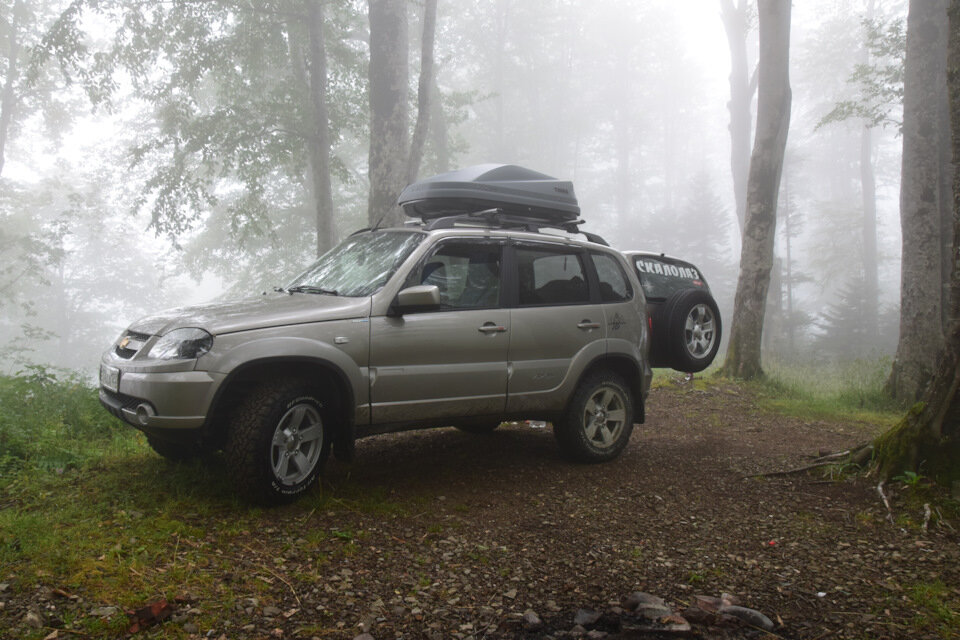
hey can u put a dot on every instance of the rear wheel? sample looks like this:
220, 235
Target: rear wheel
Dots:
599, 419
278, 441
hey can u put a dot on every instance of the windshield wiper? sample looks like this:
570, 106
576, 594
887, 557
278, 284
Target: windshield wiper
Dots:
306, 288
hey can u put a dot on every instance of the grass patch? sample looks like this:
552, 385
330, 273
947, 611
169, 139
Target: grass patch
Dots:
846, 391
936, 607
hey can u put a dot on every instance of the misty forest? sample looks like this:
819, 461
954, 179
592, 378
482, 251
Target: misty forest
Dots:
163, 154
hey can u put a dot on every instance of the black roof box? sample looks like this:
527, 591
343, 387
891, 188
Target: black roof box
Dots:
513, 189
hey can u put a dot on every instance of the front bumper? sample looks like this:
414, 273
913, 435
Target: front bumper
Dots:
172, 400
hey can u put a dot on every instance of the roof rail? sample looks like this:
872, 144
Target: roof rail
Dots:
500, 219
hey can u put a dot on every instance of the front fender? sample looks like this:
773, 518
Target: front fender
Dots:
348, 357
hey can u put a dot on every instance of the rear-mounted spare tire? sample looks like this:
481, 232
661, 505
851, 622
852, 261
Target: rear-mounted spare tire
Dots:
690, 327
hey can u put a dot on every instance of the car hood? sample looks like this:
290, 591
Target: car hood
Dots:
268, 310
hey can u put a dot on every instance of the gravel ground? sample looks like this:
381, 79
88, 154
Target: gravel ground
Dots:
497, 526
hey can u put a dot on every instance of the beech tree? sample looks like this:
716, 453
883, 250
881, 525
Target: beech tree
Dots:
743, 84
393, 160
925, 200
766, 165
389, 110
929, 435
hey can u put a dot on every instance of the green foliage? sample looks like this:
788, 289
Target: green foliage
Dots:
50, 420
879, 82
910, 478
229, 90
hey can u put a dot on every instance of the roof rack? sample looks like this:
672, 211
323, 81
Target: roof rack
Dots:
500, 219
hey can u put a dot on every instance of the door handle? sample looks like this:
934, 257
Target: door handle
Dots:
490, 327
587, 325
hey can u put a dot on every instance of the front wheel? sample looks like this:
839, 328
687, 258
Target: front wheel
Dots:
598, 421
278, 442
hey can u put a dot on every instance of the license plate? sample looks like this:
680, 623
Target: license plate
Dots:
110, 378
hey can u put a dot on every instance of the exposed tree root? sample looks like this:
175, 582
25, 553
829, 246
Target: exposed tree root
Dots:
858, 456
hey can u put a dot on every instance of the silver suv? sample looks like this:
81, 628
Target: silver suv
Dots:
464, 320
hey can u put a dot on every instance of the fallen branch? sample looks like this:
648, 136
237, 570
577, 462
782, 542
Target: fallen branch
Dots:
790, 472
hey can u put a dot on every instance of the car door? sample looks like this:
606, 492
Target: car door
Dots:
451, 361
554, 322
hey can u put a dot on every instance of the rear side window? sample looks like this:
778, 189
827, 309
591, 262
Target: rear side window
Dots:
662, 277
614, 286
550, 276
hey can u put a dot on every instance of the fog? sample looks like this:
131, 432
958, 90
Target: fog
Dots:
104, 217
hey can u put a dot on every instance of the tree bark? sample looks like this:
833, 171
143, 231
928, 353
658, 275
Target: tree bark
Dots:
766, 166
389, 113
8, 96
424, 90
319, 137
927, 439
736, 24
921, 321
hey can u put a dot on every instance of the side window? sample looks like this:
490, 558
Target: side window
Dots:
467, 274
550, 276
614, 286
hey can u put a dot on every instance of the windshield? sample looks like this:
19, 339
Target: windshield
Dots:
359, 265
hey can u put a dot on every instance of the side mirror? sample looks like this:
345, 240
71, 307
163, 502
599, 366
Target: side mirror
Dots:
422, 297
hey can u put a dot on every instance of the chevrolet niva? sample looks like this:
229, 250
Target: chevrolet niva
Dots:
489, 305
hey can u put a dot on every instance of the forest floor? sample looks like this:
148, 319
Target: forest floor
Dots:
442, 534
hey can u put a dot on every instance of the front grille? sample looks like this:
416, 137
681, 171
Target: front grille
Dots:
133, 342
121, 400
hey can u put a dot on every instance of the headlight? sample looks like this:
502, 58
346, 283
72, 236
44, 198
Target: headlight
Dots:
182, 344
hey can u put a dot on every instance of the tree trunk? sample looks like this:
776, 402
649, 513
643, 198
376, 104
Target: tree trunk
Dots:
921, 322
868, 195
424, 90
319, 137
929, 435
8, 97
766, 165
868, 190
438, 129
736, 24
389, 114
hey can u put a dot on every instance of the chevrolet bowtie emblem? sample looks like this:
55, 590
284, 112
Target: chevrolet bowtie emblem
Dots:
123, 343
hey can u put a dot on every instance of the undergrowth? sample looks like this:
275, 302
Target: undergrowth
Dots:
52, 420
845, 390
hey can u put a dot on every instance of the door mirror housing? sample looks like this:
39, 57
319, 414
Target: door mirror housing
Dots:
421, 297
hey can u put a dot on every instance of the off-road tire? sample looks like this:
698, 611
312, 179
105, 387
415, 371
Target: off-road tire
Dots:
690, 327
175, 451
251, 448
479, 428
582, 431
